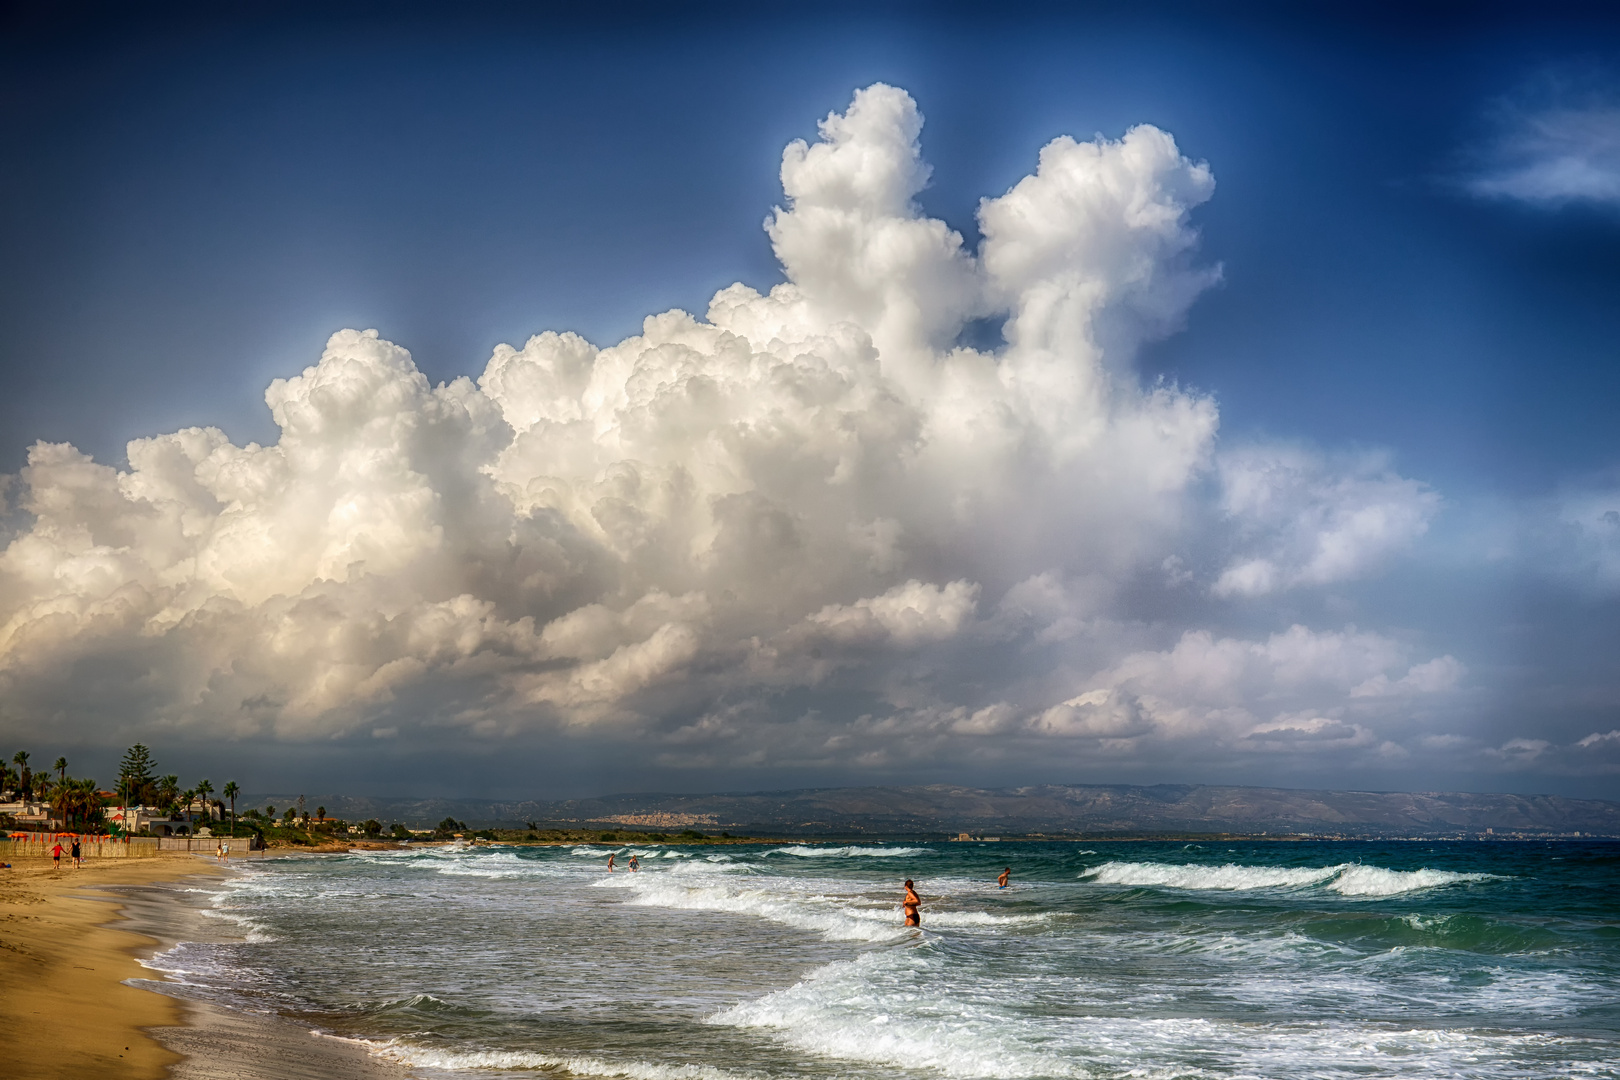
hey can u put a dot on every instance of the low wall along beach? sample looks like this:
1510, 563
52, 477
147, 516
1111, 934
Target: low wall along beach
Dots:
38, 846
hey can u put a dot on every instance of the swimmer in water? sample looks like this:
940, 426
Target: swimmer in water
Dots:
610, 860
1001, 882
911, 904
634, 865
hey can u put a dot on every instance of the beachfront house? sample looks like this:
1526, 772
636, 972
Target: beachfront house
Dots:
183, 821
136, 819
26, 812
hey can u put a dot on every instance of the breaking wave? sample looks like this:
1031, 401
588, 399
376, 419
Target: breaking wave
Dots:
805, 851
1347, 879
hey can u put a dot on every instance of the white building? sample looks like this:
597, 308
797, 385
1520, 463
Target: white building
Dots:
27, 813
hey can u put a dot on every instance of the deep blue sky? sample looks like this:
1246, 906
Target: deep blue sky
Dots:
192, 200
192, 203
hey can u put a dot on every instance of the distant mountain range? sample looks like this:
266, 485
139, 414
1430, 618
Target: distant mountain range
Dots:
1052, 809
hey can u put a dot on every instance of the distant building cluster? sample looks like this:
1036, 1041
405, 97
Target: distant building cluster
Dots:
662, 820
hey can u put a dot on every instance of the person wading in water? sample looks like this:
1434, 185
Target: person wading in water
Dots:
911, 904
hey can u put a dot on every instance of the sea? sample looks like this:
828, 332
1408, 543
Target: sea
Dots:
1271, 959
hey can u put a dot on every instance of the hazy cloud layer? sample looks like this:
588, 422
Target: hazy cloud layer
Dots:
1561, 147
805, 529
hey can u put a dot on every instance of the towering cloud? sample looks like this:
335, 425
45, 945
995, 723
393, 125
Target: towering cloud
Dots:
811, 512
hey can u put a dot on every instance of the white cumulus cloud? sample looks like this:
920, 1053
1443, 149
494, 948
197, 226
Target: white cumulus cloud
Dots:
1302, 519
808, 489
1294, 691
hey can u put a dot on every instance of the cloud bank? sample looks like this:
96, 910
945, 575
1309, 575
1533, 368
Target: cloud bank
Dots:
809, 528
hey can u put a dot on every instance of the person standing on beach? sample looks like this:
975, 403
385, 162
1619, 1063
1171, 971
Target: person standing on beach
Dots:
78, 861
56, 855
912, 903
1001, 882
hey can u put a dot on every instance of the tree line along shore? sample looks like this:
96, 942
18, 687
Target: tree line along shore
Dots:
143, 803
140, 803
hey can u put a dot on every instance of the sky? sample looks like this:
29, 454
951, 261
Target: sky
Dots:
480, 400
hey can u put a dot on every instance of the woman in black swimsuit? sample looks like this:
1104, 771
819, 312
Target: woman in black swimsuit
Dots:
911, 904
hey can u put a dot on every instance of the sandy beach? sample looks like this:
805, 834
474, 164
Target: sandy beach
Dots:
69, 940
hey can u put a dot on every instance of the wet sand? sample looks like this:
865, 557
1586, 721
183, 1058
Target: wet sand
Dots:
69, 940
221, 1044
63, 1002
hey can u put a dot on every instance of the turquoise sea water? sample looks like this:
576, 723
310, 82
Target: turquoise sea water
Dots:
1286, 960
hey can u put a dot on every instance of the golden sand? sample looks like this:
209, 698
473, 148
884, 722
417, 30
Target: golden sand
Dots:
63, 1004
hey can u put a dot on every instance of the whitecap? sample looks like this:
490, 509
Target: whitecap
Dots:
1347, 879
1230, 876
1357, 880
849, 851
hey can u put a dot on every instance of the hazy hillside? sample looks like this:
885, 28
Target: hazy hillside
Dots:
1053, 808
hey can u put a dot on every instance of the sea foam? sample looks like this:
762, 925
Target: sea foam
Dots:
806, 904
428, 1057
909, 1010
834, 918
887, 1008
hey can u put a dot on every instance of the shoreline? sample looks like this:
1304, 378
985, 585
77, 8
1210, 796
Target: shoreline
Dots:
78, 1001
65, 956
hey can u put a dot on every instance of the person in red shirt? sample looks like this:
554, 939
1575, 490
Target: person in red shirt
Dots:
56, 855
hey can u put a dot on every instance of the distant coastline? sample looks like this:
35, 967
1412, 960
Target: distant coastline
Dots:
1077, 812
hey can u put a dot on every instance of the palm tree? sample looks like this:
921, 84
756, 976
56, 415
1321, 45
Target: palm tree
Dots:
65, 792
24, 777
231, 791
89, 801
205, 789
168, 793
60, 766
76, 799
